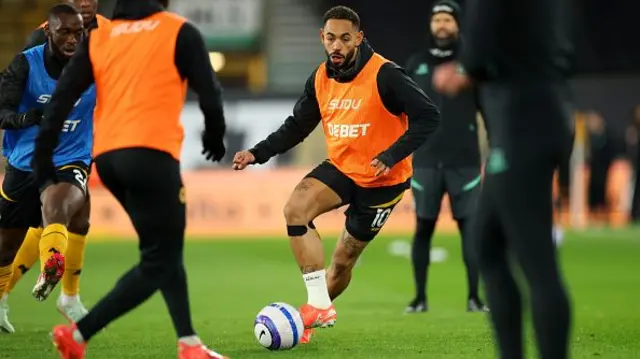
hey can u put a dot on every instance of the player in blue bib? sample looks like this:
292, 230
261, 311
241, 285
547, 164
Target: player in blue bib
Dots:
61, 208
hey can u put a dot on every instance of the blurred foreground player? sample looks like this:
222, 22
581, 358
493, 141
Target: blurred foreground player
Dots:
449, 163
141, 64
362, 101
26, 88
519, 58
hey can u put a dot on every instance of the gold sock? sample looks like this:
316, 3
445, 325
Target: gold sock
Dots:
5, 277
26, 257
54, 239
74, 258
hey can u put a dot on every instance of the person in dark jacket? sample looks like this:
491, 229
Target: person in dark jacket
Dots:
450, 162
520, 56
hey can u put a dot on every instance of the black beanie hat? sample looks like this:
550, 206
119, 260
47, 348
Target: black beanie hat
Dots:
448, 7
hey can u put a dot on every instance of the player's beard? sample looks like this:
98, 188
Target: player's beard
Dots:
444, 42
346, 64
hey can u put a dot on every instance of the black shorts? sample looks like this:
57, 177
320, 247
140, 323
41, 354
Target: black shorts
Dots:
20, 205
369, 207
429, 185
148, 185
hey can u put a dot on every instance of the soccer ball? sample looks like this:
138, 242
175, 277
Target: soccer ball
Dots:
278, 326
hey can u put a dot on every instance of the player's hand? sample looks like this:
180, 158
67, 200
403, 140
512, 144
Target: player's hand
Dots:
242, 159
448, 80
381, 168
213, 146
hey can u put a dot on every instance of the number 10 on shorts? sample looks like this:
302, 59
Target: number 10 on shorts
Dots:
382, 215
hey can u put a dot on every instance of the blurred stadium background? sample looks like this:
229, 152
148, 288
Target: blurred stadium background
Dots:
263, 51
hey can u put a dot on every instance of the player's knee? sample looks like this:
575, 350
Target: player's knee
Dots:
159, 260
296, 212
54, 213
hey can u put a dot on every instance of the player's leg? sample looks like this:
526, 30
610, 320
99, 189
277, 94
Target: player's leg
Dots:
520, 169
463, 186
428, 189
61, 201
322, 190
369, 209
26, 257
157, 210
69, 304
19, 210
503, 295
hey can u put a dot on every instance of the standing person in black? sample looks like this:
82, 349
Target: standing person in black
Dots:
517, 54
449, 163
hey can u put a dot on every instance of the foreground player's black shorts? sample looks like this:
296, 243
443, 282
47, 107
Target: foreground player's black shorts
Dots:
429, 185
369, 207
20, 205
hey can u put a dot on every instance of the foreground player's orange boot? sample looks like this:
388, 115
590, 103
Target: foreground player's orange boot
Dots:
49, 278
197, 352
306, 336
313, 317
62, 337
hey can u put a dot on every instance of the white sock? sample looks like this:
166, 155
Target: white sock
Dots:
191, 341
77, 336
317, 291
66, 299
4, 298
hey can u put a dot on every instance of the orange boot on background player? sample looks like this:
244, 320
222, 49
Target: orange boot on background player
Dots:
374, 116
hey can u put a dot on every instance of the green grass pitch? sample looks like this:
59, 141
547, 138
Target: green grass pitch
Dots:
230, 281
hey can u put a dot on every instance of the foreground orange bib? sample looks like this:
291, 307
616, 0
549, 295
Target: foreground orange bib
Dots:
358, 127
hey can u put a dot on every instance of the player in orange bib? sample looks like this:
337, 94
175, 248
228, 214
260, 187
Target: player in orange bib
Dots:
374, 116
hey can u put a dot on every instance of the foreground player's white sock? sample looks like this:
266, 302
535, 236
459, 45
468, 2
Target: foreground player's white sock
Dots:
77, 336
317, 291
4, 298
191, 341
68, 299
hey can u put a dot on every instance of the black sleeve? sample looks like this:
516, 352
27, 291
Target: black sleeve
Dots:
192, 61
12, 85
75, 79
306, 116
399, 95
36, 38
481, 35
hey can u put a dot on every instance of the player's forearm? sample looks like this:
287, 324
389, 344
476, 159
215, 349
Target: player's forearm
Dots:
11, 120
417, 134
288, 136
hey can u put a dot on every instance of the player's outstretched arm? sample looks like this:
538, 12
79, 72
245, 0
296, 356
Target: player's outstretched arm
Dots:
305, 118
14, 80
75, 79
400, 94
193, 64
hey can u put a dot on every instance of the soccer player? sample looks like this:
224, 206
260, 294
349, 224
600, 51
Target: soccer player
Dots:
519, 57
449, 163
26, 88
69, 303
374, 116
90, 17
141, 64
